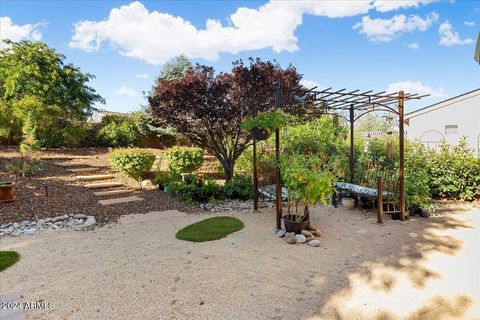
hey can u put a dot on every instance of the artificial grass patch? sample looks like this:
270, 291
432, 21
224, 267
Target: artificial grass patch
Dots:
8, 259
210, 229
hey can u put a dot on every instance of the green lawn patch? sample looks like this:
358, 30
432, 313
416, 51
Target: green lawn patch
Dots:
8, 258
210, 229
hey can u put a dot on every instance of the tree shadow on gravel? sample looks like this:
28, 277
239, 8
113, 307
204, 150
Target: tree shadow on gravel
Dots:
373, 278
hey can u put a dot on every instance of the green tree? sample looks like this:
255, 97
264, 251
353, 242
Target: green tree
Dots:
373, 122
176, 68
33, 71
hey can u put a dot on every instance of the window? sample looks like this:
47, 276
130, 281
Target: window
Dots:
451, 129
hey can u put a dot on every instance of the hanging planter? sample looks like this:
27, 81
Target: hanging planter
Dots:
262, 126
260, 133
7, 191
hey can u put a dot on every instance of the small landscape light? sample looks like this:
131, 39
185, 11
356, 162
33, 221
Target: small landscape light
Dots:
45, 185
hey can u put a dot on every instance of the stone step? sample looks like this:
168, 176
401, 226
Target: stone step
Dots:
101, 185
112, 193
108, 202
56, 158
80, 170
67, 164
95, 177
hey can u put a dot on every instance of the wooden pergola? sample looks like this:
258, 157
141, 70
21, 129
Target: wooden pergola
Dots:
355, 104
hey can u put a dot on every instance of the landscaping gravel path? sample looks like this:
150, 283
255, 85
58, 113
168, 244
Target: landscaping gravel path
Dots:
420, 269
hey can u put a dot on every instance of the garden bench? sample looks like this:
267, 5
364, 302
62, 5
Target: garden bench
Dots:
366, 192
269, 192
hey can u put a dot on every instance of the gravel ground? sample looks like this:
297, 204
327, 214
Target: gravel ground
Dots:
66, 195
402, 270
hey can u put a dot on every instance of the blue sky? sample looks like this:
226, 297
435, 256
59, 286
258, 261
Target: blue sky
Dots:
422, 46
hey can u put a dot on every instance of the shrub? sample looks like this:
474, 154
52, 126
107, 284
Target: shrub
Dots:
134, 162
184, 159
196, 190
454, 172
240, 187
417, 190
162, 178
118, 131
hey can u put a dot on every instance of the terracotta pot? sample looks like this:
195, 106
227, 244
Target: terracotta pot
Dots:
260, 133
291, 224
7, 191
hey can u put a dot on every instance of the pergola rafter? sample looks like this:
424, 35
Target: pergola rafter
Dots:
334, 102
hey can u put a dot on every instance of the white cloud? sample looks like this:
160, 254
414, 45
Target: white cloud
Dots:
416, 87
469, 23
389, 5
142, 76
386, 29
448, 36
9, 30
310, 84
124, 91
413, 45
156, 37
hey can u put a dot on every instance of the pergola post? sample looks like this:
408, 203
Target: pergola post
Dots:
255, 175
401, 172
352, 153
278, 184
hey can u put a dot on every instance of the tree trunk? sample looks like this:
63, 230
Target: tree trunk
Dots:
228, 165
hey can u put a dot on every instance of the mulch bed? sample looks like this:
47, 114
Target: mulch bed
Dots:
66, 195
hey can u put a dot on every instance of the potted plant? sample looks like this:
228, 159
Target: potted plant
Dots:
262, 126
307, 184
7, 191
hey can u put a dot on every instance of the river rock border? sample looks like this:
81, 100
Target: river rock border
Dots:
306, 236
77, 222
235, 205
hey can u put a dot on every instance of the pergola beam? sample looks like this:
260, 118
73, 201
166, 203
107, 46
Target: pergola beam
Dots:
355, 102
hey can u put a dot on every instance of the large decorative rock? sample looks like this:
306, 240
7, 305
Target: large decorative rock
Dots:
300, 238
310, 238
314, 243
306, 233
318, 233
290, 240
281, 233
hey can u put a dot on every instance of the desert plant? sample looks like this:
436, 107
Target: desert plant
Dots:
134, 162
184, 159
